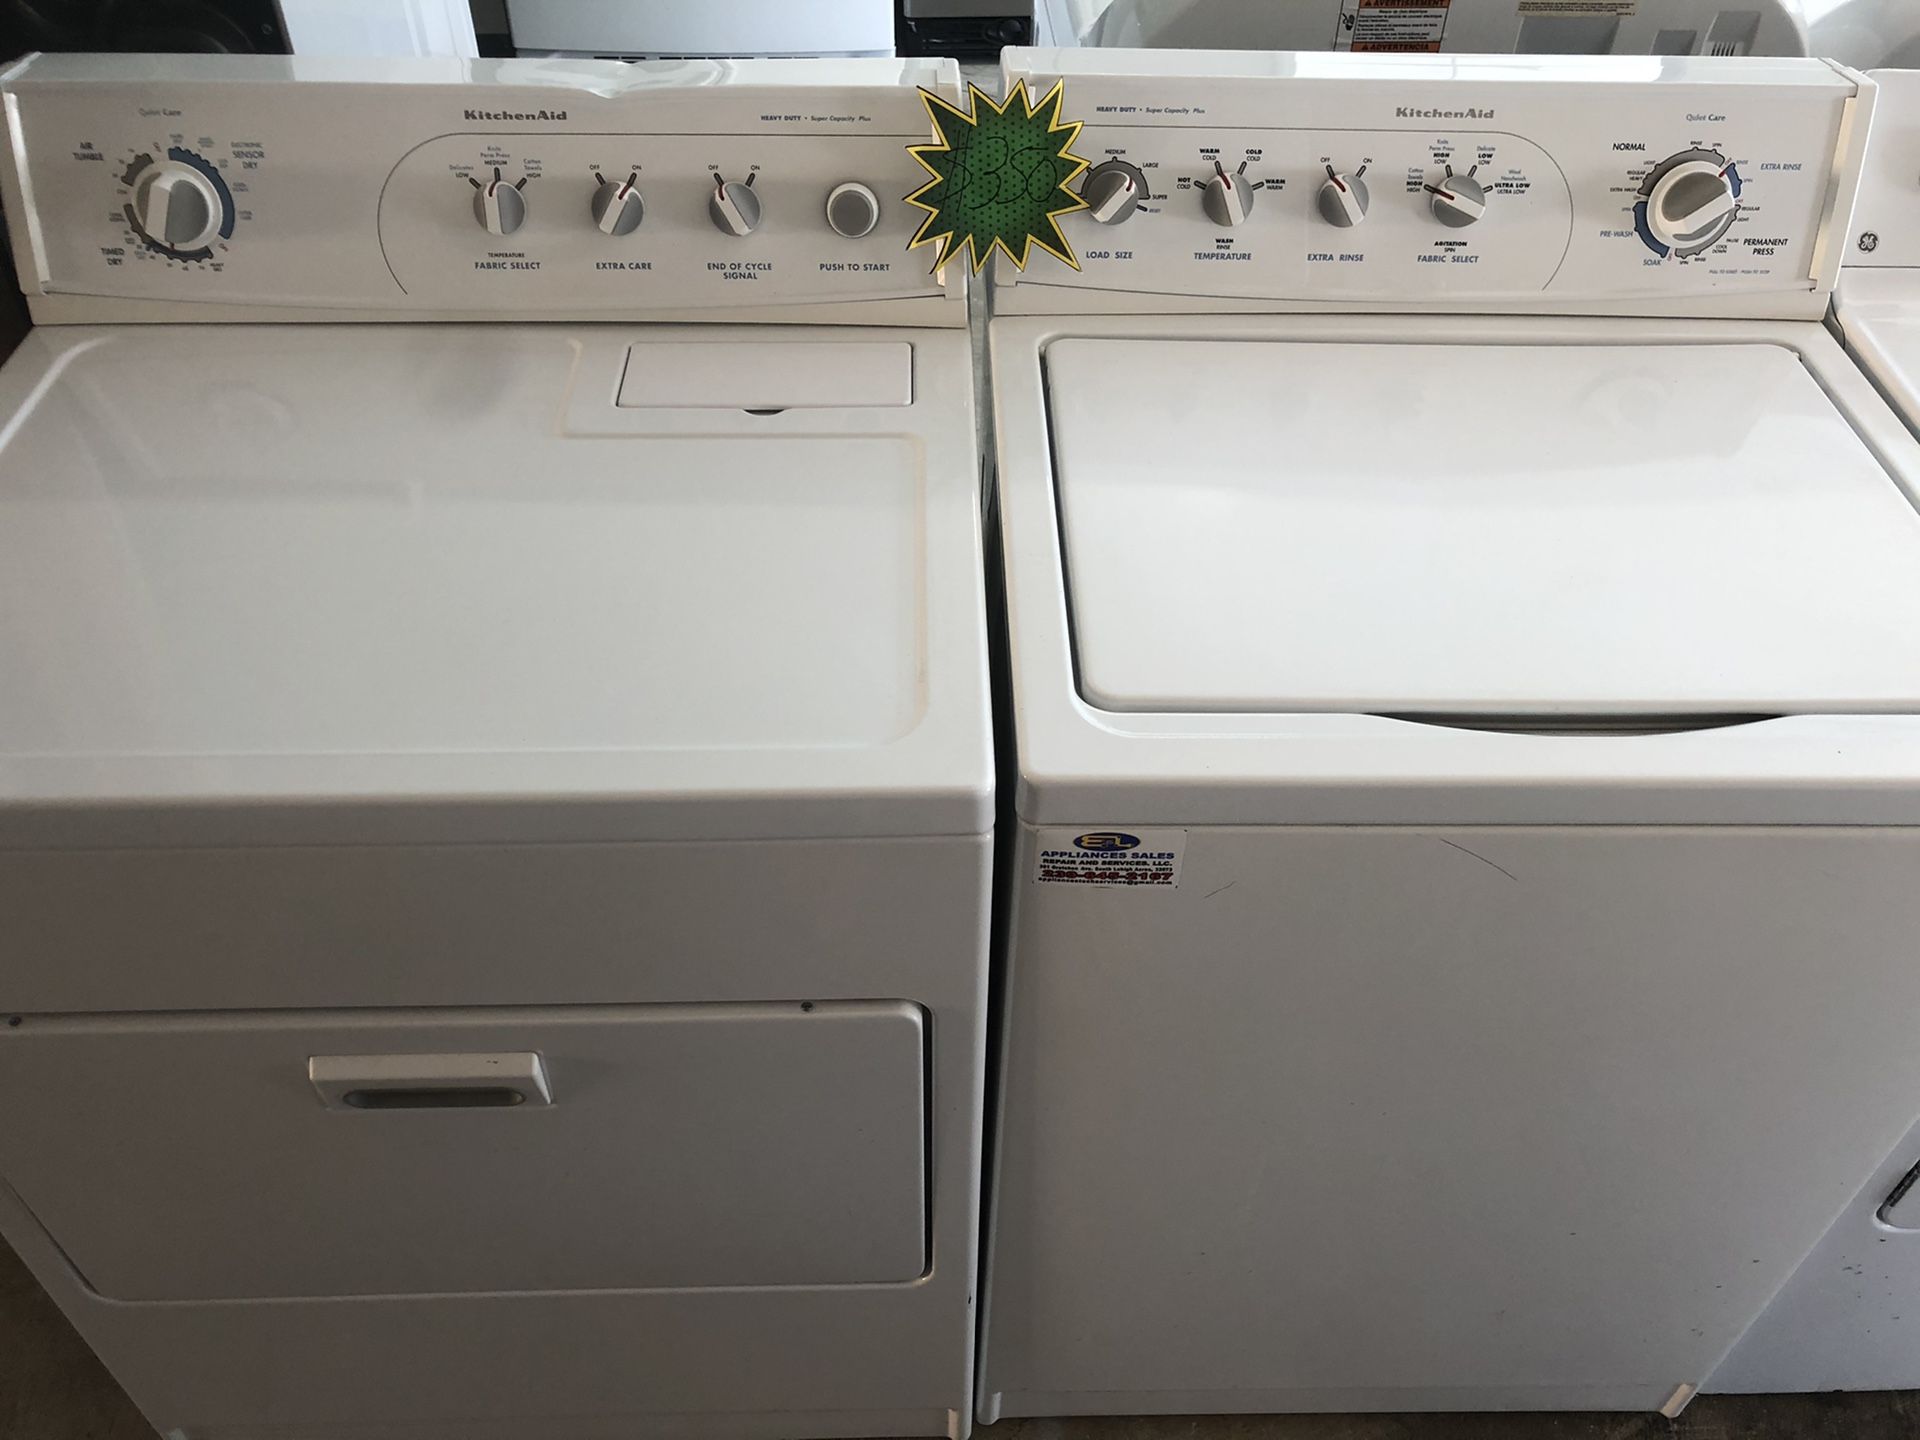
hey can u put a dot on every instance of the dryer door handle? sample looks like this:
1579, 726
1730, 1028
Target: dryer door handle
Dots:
499, 1081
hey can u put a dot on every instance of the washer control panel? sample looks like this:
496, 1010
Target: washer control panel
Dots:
470, 188
1405, 180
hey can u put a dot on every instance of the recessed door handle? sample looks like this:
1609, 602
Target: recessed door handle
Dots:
430, 1082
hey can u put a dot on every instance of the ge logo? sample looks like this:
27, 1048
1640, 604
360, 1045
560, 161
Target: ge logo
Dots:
1869, 241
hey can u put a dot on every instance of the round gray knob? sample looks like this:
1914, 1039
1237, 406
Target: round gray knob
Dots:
175, 206
1344, 198
734, 207
852, 210
1692, 204
1458, 201
500, 207
618, 209
1113, 190
1228, 199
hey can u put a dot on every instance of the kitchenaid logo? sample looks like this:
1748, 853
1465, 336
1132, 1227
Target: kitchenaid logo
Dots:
516, 114
1434, 112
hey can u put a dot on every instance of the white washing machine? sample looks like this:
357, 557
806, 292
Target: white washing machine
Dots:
1849, 1319
494, 816
1468, 730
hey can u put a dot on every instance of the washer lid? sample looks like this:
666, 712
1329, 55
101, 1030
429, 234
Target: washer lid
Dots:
1552, 532
419, 565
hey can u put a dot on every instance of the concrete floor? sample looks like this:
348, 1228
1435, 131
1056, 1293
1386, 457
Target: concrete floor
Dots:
51, 1388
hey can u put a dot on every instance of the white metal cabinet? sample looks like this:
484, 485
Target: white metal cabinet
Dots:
192, 1158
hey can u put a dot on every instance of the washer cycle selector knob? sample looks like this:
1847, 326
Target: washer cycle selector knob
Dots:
852, 210
1113, 190
1344, 198
1228, 199
1690, 201
1458, 200
617, 208
498, 205
734, 207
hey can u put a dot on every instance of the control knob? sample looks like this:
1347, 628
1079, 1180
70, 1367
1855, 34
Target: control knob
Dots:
176, 204
499, 205
1228, 199
734, 207
1113, 190
1344, 198
1458, 200
617, 208
1690, 202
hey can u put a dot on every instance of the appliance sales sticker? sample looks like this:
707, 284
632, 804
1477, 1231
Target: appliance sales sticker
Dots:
1116, 858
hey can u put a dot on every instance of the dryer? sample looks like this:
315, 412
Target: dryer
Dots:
495, 805
1462, 610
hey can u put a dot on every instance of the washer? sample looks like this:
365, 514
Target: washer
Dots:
1468, 732
1849, 1319
494, 816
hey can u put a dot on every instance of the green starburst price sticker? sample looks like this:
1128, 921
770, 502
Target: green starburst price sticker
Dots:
1000, 176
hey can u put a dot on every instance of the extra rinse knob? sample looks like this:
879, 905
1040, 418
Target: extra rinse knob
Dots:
617, 208
734, 207
498, 205
1228, 199
1458, 200
1691, 200
1344, 198
1113, 190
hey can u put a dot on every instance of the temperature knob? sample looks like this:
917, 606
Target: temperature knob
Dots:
498, 205
1228, 199
1458, 200
1690, 201
1113, 190
617, 208
1344, 198
734, 207
178, 205
852, 210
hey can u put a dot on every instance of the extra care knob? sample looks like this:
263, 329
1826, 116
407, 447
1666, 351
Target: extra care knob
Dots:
1458, 200
618, 209
734, 207
499, 206
1228, 199
1344, 199
1113, 190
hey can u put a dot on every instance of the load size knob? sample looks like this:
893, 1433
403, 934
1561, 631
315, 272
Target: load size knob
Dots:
733, 207
1113, 190
1458, 200
1344, 199
1228, 199
617, 209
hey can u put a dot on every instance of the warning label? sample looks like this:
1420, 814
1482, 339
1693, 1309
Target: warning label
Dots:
1578, 7
1406, 27
1118, 857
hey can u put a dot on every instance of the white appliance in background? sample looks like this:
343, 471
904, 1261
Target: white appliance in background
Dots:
494, 817
1525, 27
639, 29
1865, 33
1849, 1319
1468, 730
379, 27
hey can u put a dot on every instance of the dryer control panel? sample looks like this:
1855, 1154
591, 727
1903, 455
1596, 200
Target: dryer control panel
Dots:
466, 189
1649, 185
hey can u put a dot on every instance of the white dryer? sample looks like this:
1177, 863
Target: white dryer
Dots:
1468, 734
1849, 1319
494, 816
